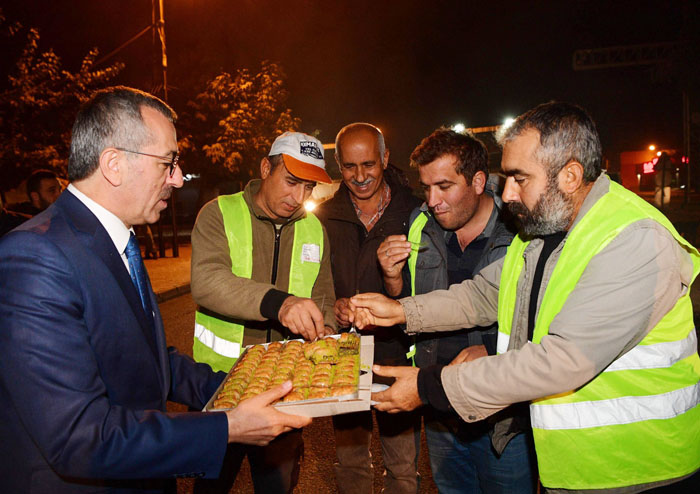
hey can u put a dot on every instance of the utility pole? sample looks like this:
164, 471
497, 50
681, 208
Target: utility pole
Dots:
159, 28
156, 27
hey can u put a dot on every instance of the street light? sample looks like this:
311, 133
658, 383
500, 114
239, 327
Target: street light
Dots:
652, 147
458, 127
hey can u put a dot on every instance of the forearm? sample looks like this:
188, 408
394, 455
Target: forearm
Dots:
465, 305
482, 387
393, 286
191, 383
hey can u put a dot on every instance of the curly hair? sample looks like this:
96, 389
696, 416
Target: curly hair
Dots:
471, 154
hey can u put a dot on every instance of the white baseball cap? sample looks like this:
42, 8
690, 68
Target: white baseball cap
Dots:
302, 155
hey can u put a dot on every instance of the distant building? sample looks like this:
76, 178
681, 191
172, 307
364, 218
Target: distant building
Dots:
637, 169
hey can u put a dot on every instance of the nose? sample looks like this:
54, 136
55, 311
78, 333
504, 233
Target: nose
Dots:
510, 193
432, 197
176, 180
360, 174
300, 193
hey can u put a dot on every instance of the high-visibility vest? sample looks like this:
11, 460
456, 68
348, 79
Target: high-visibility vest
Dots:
218, 342
415, 233
638, 421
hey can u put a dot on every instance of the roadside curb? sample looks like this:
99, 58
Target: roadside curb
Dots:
172, 293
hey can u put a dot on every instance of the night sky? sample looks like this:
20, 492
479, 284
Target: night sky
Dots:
405, 66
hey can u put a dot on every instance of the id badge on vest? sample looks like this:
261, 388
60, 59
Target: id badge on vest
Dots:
311, 253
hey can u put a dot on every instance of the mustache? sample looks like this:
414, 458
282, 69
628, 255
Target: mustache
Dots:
516, 208
166, 193
362, 184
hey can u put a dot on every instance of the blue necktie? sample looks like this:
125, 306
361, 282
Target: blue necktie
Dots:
139, 276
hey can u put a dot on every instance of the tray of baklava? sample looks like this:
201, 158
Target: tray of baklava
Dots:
329, 376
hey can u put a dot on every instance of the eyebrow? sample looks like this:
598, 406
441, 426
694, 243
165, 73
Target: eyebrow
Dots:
514, 171
441, 182
364, 163
299, 180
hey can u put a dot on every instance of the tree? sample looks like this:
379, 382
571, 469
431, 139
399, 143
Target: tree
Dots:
231, 124
39, 105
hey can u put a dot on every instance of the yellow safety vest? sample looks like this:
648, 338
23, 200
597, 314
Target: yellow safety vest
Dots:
638, 421
415, 234
218, 342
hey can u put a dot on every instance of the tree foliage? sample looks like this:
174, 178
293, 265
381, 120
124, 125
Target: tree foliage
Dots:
38, 107
231, 124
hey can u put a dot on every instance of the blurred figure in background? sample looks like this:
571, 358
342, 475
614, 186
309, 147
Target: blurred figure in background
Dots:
43, 188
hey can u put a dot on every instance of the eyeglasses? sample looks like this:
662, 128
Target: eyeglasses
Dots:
172, 162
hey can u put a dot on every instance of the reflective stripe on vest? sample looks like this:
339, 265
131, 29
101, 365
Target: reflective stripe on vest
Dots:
217, 341
415, 234
638, 421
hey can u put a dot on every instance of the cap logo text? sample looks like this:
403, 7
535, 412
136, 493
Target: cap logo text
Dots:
309, 148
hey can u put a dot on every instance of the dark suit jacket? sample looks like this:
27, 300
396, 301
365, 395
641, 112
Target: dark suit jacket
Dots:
84, 378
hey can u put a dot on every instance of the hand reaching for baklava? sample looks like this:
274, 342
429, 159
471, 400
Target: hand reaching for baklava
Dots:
342, 312
303, 317
375, 309
255, 421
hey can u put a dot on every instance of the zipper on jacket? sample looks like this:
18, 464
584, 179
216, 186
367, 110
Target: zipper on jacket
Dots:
275, 261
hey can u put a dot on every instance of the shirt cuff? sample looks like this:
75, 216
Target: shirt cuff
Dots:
430, 388
272, 302
410, 309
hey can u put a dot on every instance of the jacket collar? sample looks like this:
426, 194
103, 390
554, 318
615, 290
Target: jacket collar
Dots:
339, 207
600, 187
97, 240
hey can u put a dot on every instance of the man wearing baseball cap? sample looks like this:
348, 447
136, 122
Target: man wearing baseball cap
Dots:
261, 272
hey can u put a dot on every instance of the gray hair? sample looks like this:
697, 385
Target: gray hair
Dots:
358, 126
567, 133
110, 118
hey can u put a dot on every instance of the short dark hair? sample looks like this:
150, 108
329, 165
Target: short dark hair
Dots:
275, 160
34, 180
471, 154
567, 132
111, 117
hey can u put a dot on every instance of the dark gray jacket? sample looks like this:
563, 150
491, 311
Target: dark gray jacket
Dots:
431, 268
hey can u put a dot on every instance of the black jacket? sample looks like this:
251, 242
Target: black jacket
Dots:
354, 255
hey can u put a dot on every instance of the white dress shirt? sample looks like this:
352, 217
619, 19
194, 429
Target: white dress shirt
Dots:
116, 229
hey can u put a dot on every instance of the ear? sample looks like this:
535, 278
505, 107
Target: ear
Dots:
338, 161
479, 182
571, 177
386, 158
112, 167
34, 197
265, 168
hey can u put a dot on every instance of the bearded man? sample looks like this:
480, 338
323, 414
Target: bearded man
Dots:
595, 322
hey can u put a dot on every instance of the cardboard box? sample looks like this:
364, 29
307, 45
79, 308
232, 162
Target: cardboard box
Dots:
336, 405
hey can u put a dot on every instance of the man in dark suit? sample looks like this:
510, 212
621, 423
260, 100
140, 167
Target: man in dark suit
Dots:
84, 368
